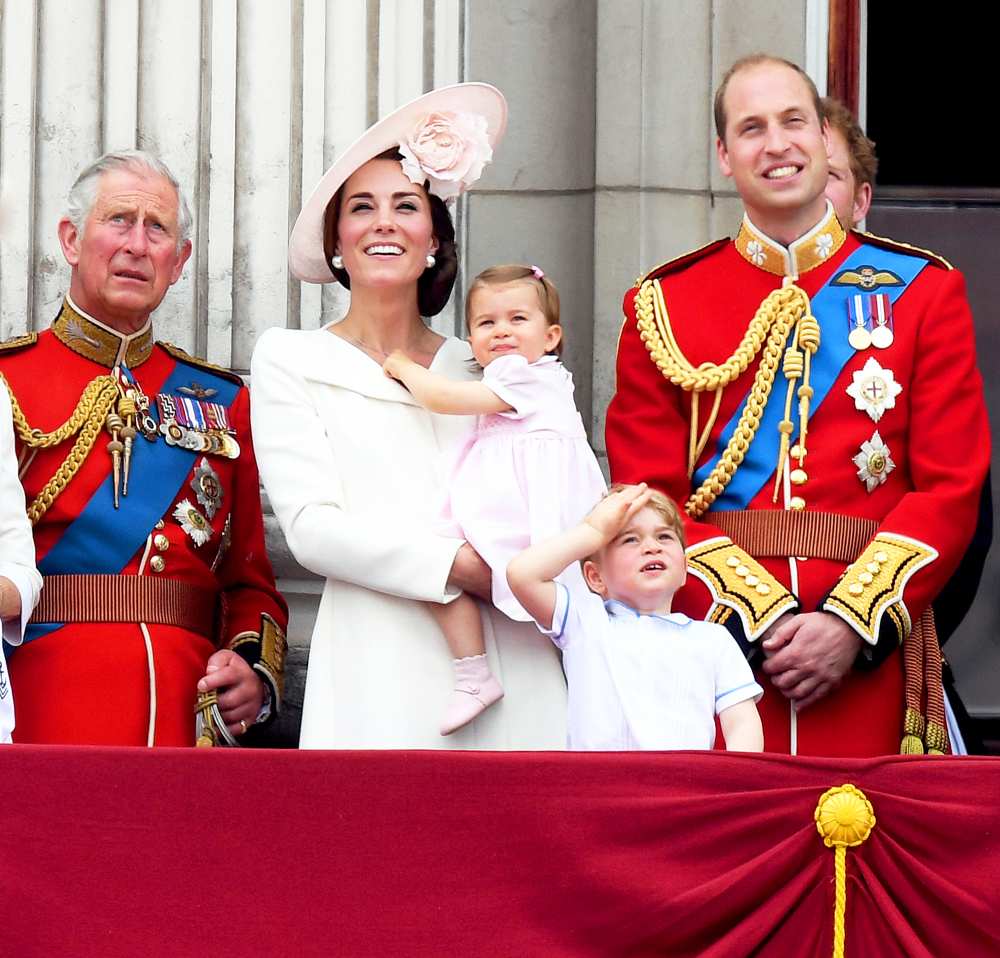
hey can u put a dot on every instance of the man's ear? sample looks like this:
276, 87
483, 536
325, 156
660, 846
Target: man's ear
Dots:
862, 202
69, 240
182, 258
723, 155
595, 581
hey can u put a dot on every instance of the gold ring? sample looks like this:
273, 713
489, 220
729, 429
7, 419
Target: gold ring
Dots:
243, 726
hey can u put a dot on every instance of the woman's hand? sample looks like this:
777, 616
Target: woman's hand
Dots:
396, 364
470, 574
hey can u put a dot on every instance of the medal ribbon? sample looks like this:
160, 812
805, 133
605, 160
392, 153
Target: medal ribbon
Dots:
829, 306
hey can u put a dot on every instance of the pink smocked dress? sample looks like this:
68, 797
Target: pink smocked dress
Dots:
524, 475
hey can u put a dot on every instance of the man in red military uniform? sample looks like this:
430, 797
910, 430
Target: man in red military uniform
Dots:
812, 397
139, 471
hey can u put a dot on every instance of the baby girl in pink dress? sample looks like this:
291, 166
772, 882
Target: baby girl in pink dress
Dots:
527, 472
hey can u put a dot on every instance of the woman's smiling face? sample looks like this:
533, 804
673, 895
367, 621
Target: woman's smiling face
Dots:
385, 231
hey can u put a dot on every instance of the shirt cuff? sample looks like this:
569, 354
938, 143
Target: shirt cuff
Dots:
750, 690
13, 628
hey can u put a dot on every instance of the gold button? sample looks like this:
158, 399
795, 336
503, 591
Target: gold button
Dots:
865, 578
855, 588
752, 580
763, 589
732, 562
159, 524
157, 563
797, 452
881, 556
742, 571
161, 542
798, 477
874, 568
796, 503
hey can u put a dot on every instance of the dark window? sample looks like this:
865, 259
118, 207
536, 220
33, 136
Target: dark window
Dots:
932, 95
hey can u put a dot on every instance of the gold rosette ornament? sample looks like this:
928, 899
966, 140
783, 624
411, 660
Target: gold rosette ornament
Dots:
844, 818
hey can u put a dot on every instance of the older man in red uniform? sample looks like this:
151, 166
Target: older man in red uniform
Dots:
139, 471
811, 396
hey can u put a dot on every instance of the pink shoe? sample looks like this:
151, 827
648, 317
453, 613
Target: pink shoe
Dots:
476, 689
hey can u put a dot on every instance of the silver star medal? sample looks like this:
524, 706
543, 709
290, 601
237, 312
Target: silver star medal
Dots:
874, 390
207, 488
193, 522
874, 462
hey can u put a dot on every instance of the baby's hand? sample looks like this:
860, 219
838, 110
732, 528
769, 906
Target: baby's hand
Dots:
395, 364
611, 514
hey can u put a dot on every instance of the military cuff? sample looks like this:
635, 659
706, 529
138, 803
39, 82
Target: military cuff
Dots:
264, 652
869, 595
739, 585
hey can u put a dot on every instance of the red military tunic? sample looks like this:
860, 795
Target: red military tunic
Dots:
134, 682
923, 504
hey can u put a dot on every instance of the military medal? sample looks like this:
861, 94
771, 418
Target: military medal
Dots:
881, 313
207, 488
857, 322
874, 390
193, 522
874, 462
197, 424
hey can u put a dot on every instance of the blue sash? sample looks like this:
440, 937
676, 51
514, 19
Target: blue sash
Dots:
829, 306
102, 539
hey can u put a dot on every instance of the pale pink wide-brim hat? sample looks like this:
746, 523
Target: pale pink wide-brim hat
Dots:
306, 257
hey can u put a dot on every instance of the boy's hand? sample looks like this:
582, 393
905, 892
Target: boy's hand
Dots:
396, 364
613, 512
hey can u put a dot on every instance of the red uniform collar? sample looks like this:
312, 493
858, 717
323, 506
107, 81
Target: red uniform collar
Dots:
807, 252
99, 343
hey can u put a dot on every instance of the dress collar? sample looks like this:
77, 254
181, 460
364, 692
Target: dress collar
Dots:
806, 253
99, 343
615, 607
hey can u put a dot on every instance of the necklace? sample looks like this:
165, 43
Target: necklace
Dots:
366, 347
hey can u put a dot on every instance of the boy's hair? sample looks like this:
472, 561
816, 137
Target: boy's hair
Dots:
663, 506
548, 295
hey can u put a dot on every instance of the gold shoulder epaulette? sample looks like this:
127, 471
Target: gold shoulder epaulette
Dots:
19, 342
897, 247
185, 357
672, 265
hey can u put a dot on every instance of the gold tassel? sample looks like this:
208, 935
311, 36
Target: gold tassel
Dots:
844, 818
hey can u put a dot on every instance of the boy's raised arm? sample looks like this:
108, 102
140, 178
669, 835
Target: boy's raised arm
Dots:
530, 574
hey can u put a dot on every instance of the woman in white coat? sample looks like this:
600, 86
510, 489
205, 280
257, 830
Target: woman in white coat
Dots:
20, 582
355, 469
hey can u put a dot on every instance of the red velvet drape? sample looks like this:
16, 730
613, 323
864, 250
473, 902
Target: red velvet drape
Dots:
183, 852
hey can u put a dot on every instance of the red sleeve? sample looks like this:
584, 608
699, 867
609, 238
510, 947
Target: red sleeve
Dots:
923, 536
256, 614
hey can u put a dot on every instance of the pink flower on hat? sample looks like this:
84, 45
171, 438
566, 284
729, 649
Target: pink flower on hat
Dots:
449, 150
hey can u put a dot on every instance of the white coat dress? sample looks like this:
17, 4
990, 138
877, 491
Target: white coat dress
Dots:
355, 473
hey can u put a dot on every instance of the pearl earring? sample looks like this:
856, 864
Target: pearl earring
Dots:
337, 261
431, 261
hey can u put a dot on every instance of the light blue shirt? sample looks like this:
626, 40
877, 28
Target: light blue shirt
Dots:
644, 681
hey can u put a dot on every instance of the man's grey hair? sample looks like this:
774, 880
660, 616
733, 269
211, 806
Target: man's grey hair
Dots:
83, 192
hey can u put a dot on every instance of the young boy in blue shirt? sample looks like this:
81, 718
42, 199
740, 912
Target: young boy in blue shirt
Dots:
640, 677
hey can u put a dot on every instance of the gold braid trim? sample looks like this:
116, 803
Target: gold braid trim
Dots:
87, 419
775, 318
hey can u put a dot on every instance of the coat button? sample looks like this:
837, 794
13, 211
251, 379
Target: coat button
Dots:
157, 563
161, 542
